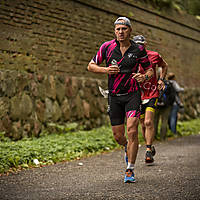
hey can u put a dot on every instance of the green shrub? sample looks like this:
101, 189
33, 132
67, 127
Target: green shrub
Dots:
66, 146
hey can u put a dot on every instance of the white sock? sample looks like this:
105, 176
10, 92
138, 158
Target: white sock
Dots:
130, 166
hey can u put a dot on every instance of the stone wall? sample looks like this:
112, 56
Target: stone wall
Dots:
30, 103
191, 101
46, 45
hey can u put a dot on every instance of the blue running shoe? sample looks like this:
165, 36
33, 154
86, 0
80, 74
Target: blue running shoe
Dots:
126, 156
129, 176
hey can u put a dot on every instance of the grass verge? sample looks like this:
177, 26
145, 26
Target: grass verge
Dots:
66, 146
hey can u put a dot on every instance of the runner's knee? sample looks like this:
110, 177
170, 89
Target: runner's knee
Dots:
132, 133
148, 123
119, 137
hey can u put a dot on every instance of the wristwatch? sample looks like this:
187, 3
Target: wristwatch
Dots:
146, 77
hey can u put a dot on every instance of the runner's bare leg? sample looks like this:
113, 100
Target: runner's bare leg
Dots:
132, 133
119, 134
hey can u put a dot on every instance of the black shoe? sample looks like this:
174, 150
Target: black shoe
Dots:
153, 150
149, 157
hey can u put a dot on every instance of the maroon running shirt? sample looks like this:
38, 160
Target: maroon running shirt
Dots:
149, 88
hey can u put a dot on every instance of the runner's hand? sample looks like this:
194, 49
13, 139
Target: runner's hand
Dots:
114, 69
139, 77
161, 85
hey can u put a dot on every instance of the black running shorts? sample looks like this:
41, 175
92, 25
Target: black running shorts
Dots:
149, 106
119, 107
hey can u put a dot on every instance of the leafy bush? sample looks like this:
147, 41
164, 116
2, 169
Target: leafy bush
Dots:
190, 6
54, 148
66, 146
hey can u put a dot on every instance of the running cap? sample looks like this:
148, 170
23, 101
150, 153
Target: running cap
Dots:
140, 39
123, 21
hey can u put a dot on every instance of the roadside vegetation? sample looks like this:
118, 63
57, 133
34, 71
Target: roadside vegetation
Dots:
190, 6
66, 145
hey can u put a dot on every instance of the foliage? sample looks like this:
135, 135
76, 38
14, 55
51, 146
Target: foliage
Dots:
49, 149
190, 6
188, 127
195, 8
54, 148
160, 4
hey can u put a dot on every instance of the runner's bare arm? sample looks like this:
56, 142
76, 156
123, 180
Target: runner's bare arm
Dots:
93, 67
142, 77
148, 74
164, 68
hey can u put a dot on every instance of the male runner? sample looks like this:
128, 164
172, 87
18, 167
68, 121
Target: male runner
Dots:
150, 93
123, 57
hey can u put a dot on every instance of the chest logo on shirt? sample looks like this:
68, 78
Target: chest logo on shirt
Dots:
131, 55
